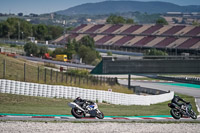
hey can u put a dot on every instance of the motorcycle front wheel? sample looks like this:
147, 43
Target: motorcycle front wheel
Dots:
77, 113
100, 115
175, 114
193, 115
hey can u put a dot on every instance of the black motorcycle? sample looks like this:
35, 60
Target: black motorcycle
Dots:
186, 111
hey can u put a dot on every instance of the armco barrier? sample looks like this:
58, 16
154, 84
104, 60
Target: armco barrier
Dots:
55, 91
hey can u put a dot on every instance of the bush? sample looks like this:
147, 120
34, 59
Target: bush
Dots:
78, 72
31, 48
109, 53
13, 45
155, 52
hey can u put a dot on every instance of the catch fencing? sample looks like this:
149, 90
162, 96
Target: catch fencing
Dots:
57, 91
28, 72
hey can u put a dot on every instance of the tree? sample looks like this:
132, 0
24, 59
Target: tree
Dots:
59, 51
129, 21
88, 55
114, 19
162, 21
87, 41
20, 14
70, 48
195, 23
155, 52
31, 48
42, 50
41, 31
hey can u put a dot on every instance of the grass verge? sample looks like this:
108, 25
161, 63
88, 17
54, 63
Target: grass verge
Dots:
17, 104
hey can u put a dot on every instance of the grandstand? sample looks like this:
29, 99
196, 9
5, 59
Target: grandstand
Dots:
181, 38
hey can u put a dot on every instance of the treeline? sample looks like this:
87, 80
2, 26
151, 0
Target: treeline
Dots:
15, 28
84, 48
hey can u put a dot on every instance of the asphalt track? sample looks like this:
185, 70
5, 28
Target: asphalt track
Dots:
58, 62
69, 118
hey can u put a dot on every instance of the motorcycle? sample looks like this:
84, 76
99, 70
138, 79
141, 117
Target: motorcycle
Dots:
178, 112
90, 110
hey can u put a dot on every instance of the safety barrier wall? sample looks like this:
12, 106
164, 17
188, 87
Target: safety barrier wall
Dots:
56, 91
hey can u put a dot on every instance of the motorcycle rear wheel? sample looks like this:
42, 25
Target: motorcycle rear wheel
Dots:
193, 115
175, 114
77, 114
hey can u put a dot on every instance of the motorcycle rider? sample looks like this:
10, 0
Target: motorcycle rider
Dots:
83, 103
181, 104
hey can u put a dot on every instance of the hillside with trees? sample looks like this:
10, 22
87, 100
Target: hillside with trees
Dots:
127, 6
15, 28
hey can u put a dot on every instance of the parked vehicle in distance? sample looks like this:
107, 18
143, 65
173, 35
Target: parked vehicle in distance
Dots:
60, 58
47, 56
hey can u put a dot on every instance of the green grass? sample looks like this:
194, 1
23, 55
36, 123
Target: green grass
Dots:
15, 71
17, 104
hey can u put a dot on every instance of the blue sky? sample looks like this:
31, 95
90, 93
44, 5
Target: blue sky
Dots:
47, 6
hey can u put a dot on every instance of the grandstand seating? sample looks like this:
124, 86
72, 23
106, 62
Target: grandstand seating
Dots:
157, 36
113, 40
142, 29
173, 30
131, 29
104, 39
144, 41
194, 32
154, 42
71, 36
94, 28
98, 37
123, 40
79, 27
112, 28
165, 42
152, 29
123, 28
189, 43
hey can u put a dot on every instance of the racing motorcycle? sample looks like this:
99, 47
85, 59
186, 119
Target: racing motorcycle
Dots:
185, 111
89, 110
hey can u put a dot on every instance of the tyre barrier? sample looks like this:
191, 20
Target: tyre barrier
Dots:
57, 91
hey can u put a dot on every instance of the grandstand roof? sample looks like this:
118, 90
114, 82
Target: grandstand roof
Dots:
144, 36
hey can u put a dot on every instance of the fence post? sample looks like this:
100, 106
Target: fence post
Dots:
100, 81
45, 75
24, 72
56, 76
66, 77
87, 79
62, 77
4, 68
74, 78
83, 78
129, 81
51, 74
79, 79
70, 78
38, 78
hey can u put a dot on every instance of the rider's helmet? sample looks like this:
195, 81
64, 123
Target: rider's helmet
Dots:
176, 96
78, 98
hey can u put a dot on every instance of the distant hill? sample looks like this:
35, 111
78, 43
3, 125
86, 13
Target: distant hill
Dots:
107, 7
